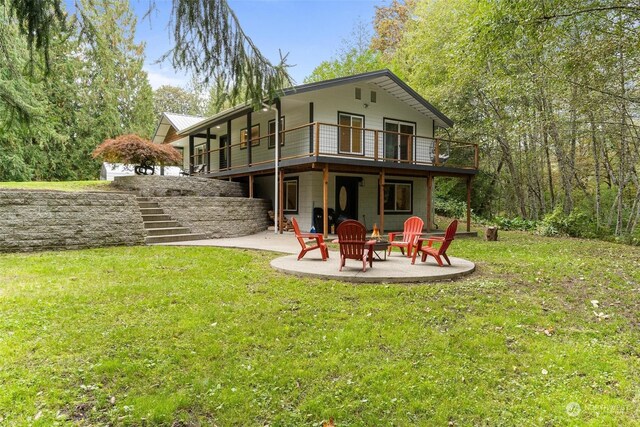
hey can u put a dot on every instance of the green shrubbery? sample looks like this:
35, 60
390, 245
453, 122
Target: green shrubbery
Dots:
576, 224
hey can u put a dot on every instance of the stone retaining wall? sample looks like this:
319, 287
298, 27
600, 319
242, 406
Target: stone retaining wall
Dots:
162, 186
42, 220
218, 216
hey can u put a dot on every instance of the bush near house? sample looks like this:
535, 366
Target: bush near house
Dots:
131, 149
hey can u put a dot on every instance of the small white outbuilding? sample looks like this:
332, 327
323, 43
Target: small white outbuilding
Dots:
108, 171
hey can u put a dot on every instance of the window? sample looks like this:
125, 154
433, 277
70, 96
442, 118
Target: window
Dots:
290, 195
272, 132
398, 196
350, 133
255, 137
398, 139
358, 93
374, 96
200, 155
181, 150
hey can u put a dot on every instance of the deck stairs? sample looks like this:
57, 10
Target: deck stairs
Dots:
161, 228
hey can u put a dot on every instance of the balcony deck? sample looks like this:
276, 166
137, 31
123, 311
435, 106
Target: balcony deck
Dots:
344, 147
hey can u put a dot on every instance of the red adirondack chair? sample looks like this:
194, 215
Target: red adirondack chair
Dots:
352, 238
305, 238
441, 250
412, 229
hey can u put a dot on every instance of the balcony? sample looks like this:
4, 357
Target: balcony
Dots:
316, 141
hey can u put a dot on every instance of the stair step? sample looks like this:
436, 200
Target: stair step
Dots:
168, 231
150, 211
174, 238
161, 224
142, 199
156, 217
146, 205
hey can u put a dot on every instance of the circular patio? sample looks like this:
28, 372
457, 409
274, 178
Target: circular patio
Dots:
395, 269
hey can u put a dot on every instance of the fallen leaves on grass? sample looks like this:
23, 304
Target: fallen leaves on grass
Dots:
329, 423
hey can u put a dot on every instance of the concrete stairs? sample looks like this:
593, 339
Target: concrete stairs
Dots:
161, 228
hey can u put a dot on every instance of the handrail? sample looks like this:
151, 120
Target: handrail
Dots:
420, 150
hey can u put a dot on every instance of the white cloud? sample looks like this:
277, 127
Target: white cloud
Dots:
168, 76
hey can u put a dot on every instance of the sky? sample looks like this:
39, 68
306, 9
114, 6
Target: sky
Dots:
310, 31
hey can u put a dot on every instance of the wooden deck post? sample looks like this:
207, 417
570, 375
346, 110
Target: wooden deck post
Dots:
325, 200
249, 138
191, 148
375, 145
469, 203
228, 147
208, 150
429, 201
280, 212
381, 200
251, 186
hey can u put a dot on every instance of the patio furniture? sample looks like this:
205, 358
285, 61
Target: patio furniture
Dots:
354, 244
305, 238
412, 229
436, 252
380, 248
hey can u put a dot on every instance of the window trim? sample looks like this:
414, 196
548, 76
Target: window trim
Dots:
271, 146
395, 182
385, 120
351, 153
254, 142
203, 153
296, 180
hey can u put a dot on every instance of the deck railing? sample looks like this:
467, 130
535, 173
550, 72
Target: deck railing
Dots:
331, 140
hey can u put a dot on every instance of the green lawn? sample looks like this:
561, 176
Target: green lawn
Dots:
58, 185
202, 336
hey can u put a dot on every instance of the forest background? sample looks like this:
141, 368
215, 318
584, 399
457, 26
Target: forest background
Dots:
548, 89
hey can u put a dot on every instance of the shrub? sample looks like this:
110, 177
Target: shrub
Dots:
450, 208
515, 223
576, 224
132, 149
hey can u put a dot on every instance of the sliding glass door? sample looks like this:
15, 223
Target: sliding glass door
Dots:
398, 140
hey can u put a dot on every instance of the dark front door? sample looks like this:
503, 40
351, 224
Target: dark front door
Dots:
347, 196
223, 151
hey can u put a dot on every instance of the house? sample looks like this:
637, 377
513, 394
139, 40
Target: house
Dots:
359, 147
167, 132
108, 171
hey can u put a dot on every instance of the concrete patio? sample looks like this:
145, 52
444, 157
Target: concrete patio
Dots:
395, 269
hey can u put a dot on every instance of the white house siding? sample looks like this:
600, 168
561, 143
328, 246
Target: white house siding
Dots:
327, 103
310, 196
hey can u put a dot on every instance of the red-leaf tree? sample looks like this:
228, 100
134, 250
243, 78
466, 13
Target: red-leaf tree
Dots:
132, 149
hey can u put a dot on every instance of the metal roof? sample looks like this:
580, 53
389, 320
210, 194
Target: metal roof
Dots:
178, 121
387, 81
228, 114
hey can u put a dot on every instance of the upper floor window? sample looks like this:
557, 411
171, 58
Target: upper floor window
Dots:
350, 133
398, 139
255, 136
200, 154
272, 132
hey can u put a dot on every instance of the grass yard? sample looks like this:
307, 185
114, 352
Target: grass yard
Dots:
58, 185
202, 336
